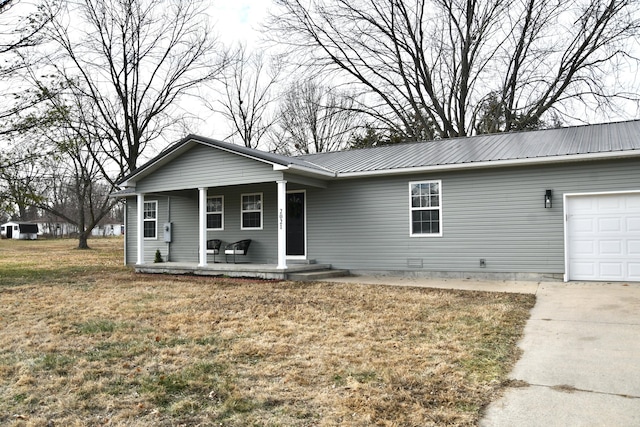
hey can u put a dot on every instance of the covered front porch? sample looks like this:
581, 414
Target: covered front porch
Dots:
204, 228
299, 272
204, 191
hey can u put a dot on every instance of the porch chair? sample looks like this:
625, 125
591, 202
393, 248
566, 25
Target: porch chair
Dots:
237, 248
213, 248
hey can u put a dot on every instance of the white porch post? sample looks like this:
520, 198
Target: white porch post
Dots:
202, 205
140, 239
282, 224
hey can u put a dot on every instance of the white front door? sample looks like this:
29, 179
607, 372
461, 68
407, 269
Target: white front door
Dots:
603, 237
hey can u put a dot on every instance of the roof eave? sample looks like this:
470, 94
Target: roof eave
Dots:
301, 170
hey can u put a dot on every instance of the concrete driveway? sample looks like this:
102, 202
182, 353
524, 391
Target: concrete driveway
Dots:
581, 360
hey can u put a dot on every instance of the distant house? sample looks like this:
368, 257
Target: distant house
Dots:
560, 203
19, 230
105, 230
58, 228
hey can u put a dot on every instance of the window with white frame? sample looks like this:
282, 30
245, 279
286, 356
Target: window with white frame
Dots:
215, 213
150, 219
251, 211
426, 208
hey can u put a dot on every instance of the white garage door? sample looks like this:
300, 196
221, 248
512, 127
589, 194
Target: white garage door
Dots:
603, 237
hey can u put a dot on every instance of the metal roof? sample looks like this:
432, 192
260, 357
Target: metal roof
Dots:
560, 144
563, 144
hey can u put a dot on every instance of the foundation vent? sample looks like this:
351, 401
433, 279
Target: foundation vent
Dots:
414, 262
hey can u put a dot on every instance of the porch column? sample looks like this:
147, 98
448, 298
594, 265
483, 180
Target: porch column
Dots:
202, 208
140, 239
282, 224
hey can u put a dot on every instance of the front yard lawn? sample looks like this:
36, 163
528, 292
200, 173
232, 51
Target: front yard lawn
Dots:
87, 342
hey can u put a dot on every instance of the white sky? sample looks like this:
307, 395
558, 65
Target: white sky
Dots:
239, 20
234, 21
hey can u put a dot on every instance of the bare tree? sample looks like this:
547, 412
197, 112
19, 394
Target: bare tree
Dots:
71, 181
134, 59
314, 119
19, 171
440, 60
20, 29
249, 85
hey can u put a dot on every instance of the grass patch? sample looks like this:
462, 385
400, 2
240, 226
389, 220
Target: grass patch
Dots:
87, 342
97, 326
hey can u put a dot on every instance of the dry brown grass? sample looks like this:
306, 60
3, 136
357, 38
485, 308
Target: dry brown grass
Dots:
86, 342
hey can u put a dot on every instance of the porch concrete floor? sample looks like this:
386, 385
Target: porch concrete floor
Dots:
262, 271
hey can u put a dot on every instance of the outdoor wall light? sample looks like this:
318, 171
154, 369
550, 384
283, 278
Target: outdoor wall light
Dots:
547, 199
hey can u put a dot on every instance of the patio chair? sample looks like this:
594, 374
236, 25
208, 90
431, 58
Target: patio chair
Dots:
237, 248
213, 248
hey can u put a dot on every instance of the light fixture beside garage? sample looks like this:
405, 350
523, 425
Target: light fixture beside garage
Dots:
547, 199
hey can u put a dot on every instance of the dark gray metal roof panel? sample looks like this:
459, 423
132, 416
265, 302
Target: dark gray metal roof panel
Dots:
483, 149
589, 139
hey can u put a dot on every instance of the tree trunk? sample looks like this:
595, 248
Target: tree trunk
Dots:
83, 240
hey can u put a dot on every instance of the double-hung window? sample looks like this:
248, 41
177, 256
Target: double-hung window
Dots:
426, 208
215, 213
150, 219
251, 211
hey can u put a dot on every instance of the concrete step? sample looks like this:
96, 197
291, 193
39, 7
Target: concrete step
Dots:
301, 261
310, 276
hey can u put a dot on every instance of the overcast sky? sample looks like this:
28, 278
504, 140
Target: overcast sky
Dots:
239, 19
234, 21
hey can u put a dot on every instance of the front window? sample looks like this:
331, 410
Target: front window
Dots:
426, 208
215, 213
150, 219
251, 211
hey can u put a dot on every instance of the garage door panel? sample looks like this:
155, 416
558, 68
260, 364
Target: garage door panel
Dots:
585, 247
610, 247
633, 204
583, 205
582, 270
603, 237
633, 248
633, 224
612, 270
582, 225
634, 271
605, 204
609, 224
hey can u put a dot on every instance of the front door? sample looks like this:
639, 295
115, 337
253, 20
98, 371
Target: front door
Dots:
296, 225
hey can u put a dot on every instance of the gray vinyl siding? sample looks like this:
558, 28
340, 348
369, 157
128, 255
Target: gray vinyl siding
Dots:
203, 166
131, 235
264, 245
183, 212
494, 214
363, 224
